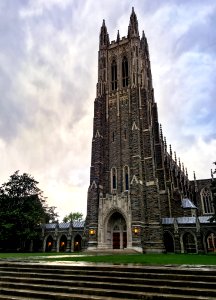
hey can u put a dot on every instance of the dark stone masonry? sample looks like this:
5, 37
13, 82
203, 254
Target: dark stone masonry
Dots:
139, 195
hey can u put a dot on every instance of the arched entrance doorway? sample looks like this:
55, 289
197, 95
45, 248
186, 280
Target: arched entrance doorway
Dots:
189, 243
49, 243
63, 243
168, 242
118, 231
211, 242
77, 243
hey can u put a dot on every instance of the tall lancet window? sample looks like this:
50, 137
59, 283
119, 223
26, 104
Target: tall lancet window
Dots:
114, 178
124, 72
126, 178
114, 75
206, 198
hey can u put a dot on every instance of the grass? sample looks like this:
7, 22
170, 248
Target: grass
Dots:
147, 259
30, 255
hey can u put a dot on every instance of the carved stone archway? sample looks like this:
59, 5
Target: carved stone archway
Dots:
77, 243
49, 243
63, 243
168, 242
112, 208
189, 243
116, 235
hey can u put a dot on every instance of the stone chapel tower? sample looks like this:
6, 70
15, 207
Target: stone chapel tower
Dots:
127, 185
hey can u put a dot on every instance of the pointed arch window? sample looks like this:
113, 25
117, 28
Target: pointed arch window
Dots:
126, 178
206, 198
114, 75
124, 72
114, 178
125, 133
113, 136
211, 242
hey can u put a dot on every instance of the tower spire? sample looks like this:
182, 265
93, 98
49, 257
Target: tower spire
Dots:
179, 161
165, 145
170, 150
161, 132
183, 169
175, 157
118, 36
133, 25
195, 182
104, 36
144, 44
212, 175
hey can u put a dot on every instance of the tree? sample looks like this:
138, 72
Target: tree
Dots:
213, 190
22, 209
76, 216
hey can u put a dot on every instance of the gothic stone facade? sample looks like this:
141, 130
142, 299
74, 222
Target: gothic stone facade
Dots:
186, 229
137, 188
63, 237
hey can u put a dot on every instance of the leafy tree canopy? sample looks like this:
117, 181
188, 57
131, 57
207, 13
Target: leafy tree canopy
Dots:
76, 216
22, 209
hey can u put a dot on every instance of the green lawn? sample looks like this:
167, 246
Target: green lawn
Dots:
147, 259
30, 255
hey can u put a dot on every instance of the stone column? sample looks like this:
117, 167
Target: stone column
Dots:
68, 246
72, 244
55, 247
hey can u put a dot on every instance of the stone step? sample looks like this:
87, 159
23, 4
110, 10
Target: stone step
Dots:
73, 281
24, 294
103, 289
110, 251
65, 279
205, 271
88, 270
81, 274
32, 295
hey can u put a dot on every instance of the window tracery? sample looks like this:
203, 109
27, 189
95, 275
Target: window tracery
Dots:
211, 242
124, 72
114, 75
206, 198
126, 178
114, 178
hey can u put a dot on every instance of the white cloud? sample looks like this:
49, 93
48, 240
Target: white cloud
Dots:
36, 8
48, 84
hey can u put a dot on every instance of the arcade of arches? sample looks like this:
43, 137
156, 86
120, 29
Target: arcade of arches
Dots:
116, 238
63, 237
62, 244
189, 242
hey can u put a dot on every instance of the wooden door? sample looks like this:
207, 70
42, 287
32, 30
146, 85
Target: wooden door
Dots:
116, 240
124, 239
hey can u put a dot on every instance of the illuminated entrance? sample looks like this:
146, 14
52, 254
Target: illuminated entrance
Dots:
118, 231
63, 244
49, 244
211, 242
77, 243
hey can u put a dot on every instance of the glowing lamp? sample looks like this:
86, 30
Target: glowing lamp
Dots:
92, 231
136, 230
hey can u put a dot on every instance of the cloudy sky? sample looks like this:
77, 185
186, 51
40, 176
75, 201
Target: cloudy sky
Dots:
48, 74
